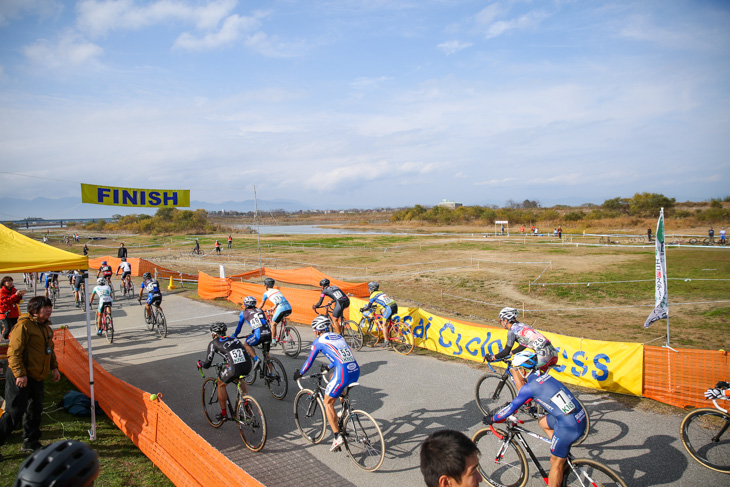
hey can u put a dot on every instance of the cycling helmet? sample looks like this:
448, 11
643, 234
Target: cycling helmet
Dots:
60, 464
373, 286
321, 323
124, 259
324, 282
269, 282
525, 359
509, 314
146, 275
249, 301
103, 262
101, 281
219, 328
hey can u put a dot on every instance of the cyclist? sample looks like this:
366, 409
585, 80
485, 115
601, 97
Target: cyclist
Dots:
126, 269
106, 271
79, 282
256, 319
238, 362
104, 291
378, 298
565, 419
342, 302
527, 337
51, 280
154, 295
721, 391
282, 307
335, 348
197, 246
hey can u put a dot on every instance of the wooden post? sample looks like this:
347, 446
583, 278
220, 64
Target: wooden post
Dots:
529, 287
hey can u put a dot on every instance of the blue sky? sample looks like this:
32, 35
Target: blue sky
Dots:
367, 103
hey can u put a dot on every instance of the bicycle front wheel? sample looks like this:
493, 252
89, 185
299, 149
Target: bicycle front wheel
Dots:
705, 435
251, 423
363, 440
589, 472
291, 341
275, 377
148, 319
352, 335
401, 338
372, 332
491, 392
211, 406
508, 468
109, 328
309, 416
161, 323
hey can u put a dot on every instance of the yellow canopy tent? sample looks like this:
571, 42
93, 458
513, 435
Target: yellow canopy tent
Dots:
19, 253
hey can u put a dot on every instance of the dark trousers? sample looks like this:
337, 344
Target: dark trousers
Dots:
24, 404
7, 324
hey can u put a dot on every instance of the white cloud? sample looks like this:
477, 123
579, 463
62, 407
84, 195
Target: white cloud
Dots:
529, 20
361, 172
70, 51
450, 47
14, 9
368, 84
495, 182
229, 32
272, 46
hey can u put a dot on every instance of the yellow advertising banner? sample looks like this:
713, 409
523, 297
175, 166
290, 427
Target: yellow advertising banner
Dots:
150, 198
610, 366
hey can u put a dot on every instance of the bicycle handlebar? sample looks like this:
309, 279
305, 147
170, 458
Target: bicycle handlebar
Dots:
219, 364
323, 369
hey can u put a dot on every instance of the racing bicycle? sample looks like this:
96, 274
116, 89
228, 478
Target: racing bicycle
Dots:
247, 414
156, 320
398, 334
494, 390
509, 467
704, 433
107, 323
271, 370
363, 439
350, 331
126, 287
286, 335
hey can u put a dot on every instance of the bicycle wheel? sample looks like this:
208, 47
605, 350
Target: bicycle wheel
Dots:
291, 341
363, 440
372, 332
275, 378
161, 323
53, 296
705, 435
506, 468
706, 241
352, 335
211, 406
693, 241
590, 472
109, 328
148, 319
309, 416
491, 392
251, 423
401, 338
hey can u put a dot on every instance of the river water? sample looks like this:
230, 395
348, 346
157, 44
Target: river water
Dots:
310, 230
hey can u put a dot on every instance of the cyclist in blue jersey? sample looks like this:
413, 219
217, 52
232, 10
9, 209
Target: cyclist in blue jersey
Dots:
51, 280
346, 370
282, 306
342, 302
256, 319
154, 295
378, 298
565, 421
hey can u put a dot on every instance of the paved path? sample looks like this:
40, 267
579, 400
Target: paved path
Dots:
410, 397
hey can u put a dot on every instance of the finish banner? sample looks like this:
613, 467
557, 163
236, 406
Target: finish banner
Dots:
610, 366
150, 198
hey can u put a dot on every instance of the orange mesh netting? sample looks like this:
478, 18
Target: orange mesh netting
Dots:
307, 276
680, 378
301, 300
213, 287
180, 453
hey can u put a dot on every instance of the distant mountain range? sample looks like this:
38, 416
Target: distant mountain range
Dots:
70, 208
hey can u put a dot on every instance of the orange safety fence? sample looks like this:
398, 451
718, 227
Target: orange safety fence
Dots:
178, 451
213, 287
139, 267
306, 276
681, 377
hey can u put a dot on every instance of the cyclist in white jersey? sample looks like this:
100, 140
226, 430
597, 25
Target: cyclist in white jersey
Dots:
282, 306
105, 300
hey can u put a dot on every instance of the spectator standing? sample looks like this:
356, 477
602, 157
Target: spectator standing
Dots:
711, 234
722, 235
9, 299
230, 241
31, 356
532, 230
450, 458
522, 229
86, 249
122, 252
217, 247
648, 234
560, 232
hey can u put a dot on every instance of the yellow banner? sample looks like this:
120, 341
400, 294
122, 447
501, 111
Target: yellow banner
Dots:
610, 366
154, 198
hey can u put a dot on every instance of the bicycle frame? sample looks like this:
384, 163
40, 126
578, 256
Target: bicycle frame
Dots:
239, 394
319, 393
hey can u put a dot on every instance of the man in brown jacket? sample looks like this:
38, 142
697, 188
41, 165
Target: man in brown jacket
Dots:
30, 357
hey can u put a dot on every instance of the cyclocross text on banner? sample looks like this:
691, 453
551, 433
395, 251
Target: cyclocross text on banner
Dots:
152, 198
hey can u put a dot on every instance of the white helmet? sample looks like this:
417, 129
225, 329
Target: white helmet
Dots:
101, 281
525, 359
321, 323
509, 314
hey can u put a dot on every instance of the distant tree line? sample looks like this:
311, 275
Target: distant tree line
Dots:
166, 220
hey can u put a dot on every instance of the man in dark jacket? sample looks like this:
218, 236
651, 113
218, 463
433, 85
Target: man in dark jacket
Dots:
9, 299
31, 356
122, 252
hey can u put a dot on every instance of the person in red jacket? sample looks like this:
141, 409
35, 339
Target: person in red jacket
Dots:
9, 299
